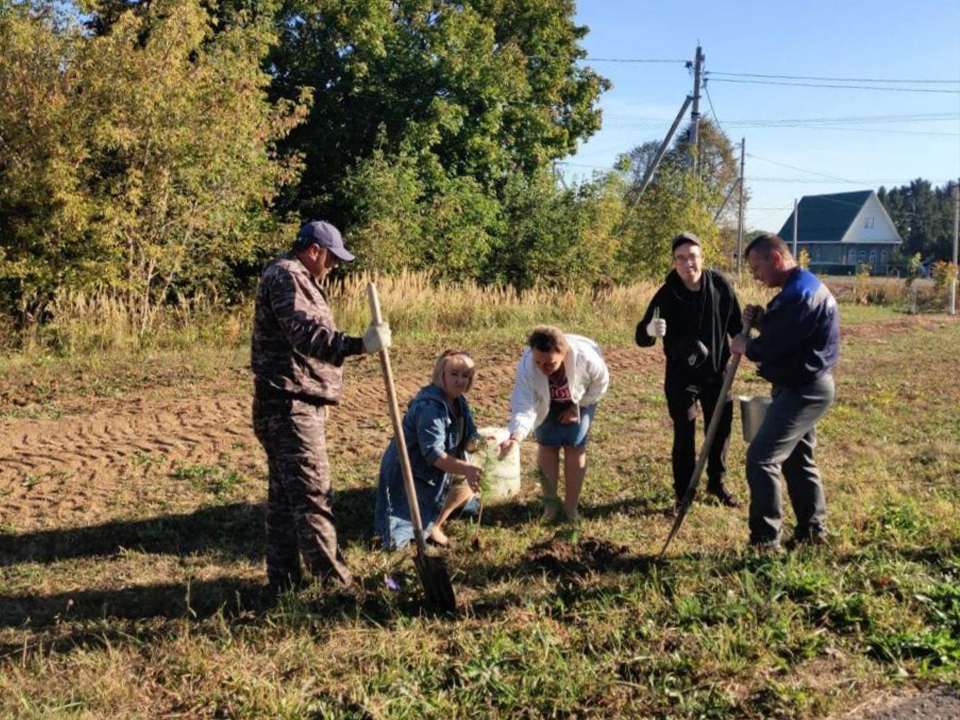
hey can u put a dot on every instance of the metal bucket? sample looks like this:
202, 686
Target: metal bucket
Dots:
752, 410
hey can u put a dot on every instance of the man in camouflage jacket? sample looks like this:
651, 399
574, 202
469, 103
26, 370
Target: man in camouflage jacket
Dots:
297, 357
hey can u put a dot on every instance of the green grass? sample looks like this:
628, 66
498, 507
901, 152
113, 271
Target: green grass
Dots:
167, 621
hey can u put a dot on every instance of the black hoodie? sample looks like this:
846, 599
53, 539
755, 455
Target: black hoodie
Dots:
708, 316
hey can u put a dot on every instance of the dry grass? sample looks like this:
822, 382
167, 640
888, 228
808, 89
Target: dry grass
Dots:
81, 322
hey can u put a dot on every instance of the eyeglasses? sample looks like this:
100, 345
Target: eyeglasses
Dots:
454, 353
687, 258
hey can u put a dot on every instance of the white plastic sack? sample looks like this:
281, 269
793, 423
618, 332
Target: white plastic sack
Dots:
501, 476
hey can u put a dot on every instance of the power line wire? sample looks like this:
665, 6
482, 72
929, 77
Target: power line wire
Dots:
804, 181
845, 119
706, 90
868, 181
850, 129
630, 60
787, 126
835, 87
804, 170
836, 79
851, 119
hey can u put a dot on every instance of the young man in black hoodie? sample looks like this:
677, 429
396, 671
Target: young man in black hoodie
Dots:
695, 312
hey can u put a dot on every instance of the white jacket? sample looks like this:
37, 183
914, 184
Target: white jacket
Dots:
530, 401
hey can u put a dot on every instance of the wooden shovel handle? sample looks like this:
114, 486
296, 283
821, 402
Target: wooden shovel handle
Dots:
397, 421
707, 443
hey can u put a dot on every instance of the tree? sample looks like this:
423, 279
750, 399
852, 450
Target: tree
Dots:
481, 89
923, 215
718, 169
677, 202
139, 161
566, 238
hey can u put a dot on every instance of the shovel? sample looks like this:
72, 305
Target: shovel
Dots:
707, 443
432, 570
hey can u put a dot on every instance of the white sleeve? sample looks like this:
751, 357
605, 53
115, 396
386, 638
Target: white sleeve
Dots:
598, 379
523, 406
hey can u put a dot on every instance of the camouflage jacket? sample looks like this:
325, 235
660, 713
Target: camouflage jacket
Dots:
296, 347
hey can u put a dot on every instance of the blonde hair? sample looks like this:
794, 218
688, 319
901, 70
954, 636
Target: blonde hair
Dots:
456, 358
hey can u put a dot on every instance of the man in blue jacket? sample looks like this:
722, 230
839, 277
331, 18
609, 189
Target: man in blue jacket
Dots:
798, 345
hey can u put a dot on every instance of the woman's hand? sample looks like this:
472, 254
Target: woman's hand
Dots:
506, 445
472, 475
570, 415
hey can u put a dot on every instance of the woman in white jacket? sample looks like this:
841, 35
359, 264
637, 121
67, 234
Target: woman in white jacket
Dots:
560, 378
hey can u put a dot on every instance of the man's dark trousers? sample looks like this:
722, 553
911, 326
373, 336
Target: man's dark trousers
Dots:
785, 441
682, 397
299, 499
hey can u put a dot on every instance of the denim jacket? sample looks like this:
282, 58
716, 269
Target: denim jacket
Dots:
429, 431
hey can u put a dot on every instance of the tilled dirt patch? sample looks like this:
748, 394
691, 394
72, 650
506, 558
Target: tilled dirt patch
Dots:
561, 557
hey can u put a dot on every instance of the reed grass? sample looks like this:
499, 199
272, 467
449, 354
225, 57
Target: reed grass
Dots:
413, 303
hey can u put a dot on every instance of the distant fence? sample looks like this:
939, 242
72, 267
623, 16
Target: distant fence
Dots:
886, 270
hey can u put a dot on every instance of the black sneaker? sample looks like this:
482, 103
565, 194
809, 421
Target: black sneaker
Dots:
723, 497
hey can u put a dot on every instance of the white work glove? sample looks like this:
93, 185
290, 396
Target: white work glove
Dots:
377, 337
657, 328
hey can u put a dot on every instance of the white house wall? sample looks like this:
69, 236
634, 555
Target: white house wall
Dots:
883, 230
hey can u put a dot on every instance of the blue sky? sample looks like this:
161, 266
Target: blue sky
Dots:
839, 39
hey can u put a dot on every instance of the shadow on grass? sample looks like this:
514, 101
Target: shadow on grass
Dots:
234, 530
174, 600
513, 513
577, 576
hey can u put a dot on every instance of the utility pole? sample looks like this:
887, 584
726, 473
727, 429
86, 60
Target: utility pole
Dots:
695, 113
743, 153
956, 232
655, 163
726, 199
795, 209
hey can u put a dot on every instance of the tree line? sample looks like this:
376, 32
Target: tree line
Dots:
923, 215
153, 149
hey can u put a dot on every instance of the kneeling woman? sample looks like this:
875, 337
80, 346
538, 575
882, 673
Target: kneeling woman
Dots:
437, 427
560, 378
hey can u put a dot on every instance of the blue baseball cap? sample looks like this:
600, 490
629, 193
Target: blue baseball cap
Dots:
319, 232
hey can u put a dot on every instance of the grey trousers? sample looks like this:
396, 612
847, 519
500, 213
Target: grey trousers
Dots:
785, 441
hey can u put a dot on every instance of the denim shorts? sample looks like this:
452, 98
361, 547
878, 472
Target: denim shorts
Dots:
553, 433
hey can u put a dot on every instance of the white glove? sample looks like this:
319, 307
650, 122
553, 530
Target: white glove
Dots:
377, 338
657, 328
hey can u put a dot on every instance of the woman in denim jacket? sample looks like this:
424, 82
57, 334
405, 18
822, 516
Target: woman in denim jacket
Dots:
437, 427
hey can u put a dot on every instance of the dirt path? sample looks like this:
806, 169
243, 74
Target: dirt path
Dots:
941, 703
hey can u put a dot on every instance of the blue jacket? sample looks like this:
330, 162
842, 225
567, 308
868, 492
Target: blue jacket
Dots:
800, 333
429, 431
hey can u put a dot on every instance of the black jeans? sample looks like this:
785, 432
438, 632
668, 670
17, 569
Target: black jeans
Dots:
682, 398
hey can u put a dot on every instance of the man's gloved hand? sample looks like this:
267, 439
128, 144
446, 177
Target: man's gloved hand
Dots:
752, 315
657, 327
377, 337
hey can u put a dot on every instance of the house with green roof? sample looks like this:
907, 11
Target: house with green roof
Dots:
842, 231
